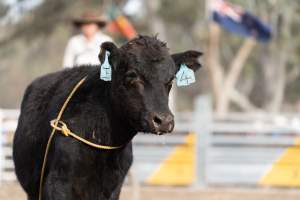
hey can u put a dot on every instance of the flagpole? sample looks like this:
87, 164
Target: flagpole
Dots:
212, 59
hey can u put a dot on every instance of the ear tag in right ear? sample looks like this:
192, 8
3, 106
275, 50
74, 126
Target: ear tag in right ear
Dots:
105, 70
185, 76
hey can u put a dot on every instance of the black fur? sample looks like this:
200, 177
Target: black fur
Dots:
108, 113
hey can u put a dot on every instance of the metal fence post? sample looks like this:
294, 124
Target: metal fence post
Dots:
1, 146
202, 126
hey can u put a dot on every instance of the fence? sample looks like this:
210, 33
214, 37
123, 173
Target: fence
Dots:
8, 124
257, 150
241, 149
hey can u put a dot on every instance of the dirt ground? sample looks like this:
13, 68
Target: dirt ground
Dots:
12, 191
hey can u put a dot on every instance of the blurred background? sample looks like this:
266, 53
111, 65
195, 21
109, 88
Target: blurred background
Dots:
238, 128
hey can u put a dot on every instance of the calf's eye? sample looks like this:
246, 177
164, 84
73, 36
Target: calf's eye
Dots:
132, 79
131, 74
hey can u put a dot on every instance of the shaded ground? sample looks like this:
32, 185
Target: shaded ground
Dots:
14, 192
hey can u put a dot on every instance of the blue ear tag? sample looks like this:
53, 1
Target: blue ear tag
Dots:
185, 76
105, 71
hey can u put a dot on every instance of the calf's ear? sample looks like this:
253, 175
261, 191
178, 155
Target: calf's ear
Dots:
114, 54
190, 58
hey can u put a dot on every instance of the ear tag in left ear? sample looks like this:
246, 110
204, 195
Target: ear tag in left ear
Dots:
185, 76
105, 70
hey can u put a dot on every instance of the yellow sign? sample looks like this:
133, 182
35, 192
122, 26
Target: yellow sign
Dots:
179, 167
285, 171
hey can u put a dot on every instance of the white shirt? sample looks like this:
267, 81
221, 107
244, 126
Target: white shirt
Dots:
80, 51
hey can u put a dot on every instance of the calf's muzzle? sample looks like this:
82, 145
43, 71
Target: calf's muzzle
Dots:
162, 122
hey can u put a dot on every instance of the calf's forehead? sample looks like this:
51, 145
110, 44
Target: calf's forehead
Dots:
150, 57
163, 70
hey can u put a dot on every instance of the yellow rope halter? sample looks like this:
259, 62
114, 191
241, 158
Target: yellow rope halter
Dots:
66, 132
59, 125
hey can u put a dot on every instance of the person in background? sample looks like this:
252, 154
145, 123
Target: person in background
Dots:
83, 49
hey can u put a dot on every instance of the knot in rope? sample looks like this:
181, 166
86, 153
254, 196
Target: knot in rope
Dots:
60, 126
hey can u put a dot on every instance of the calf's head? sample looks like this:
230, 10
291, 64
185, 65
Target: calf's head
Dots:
142, 77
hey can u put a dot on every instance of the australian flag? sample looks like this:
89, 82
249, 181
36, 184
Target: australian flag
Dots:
237, 20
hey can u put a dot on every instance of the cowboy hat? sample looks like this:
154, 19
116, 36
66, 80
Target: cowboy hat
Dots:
89, 17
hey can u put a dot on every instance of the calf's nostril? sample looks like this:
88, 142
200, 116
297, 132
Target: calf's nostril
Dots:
157, 120
171, 127
163, 122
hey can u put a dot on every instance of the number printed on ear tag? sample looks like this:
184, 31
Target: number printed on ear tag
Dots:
105, 71
185, 76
